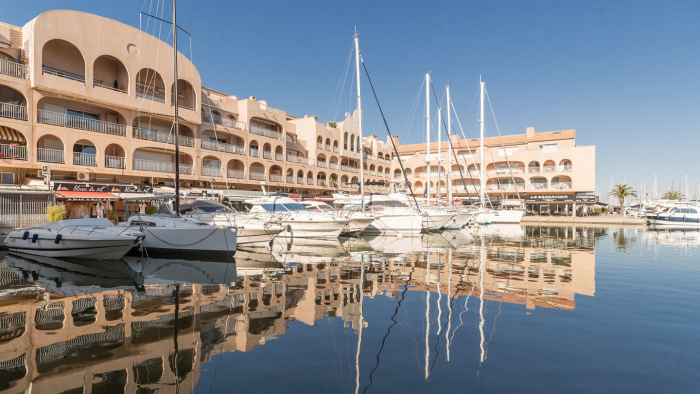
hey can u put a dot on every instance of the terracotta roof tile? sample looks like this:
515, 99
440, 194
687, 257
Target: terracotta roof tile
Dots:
495, 141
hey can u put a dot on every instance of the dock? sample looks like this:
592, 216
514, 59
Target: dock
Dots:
587, 220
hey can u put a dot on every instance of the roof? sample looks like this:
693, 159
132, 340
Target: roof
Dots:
495, 141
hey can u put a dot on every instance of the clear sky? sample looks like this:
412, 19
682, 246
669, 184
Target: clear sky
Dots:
624, 74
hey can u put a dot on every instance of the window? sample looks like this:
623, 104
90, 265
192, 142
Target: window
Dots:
79, 148
7, 177
691, 210
214, 139
510, 151
549, 148
82, 114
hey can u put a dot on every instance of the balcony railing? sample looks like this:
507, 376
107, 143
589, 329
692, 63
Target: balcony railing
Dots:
84, 159
266, 108
506, 171
319, 145
299, 159
115, 162
226, 122
345, 167
373, 173
257, 176
181, 102
267, 154
49, 156
100, 84
150, 92
321, 182
566, 168
64, 74
265, 132
549, 168
279, 156
293, 143
333, 166
221, 147
276, 178
328, 147
561, 185
161, 166
300, 180
320, 164
254, 152
235, 174
290, 179
13, 111
13, 69
78, 122
13, 152
144, 133
508, 186
211, 171
335, 149
309, 181
538, 186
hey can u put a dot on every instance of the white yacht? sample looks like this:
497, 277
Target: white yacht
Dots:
170, 236
391, 216
74, 238
303, 222
359, 220
505, 216
434, 217
251, 228
688, 216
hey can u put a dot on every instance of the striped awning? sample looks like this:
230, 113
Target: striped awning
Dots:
10, 134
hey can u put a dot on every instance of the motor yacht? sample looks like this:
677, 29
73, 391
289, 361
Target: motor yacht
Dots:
688, 216
171, 236
74, 238
359, 220
303, 222
434, 217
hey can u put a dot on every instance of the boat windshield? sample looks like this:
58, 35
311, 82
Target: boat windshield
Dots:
204, 206
278, 207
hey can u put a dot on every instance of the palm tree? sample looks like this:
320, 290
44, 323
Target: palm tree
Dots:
621, 192
673, 195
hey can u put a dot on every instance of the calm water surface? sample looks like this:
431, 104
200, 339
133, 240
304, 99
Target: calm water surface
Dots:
501, 309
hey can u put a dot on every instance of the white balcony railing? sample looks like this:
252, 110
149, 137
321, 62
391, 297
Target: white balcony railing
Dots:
300, 180
279, 156
276, 178
226, 122
264, 131
266, 108
267, 154
320, 164
13, 69
333, 166
290, 179
221, 147
211, 171
321, 182
328, 147
319, 145
335, 149
566, 168
561, 185
115, 162
374, 173
49, 156
345, 167
533, 169
84, 159
299, 159
235, 174
161, 166
538, 186
144, 133
13, 152
79, 122
254, 152
257, 176
549, 168
64, 74
309, 181
150, 92
13, 111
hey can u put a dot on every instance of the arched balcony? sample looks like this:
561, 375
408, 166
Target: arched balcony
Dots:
300, 177
10, 66
397, 174
562, 182
254, 149
265, 128
344, 181
321, 179
466, 186
418, 187
275, 174
321, 161
62, 59
333, 163
279, 153
115, 157
565, 165
159, 160
345, 141
290, 175
157, 130
319, 142
505, 168
109, 73
50, 149
235, 169
186, 95
409, 173
211, 166
267, 151
538, 183
504, 183
214, 117
328, 144
221, 141
534, 167
80, 115
256, 172
549, 166
13, 144
13, 105
150, 85
336, 149
333, 181
309, 178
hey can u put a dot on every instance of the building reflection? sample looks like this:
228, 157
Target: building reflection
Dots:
136, 336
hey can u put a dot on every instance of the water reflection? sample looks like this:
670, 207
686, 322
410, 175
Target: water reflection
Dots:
147, 325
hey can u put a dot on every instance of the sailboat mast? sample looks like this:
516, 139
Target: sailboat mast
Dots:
359, 125
427, 132
359, 329
176, 126
439, 153
449, 156
482, 169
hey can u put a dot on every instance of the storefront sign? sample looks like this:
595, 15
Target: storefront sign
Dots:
549, 198
586, 198
92, 187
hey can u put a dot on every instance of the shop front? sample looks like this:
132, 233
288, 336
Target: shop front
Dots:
559, 204
114, 202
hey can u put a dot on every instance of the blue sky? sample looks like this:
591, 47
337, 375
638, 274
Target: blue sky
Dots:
624, 74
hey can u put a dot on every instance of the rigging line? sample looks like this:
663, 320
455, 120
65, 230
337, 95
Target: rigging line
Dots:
465, 93
393, 144
505, 152
412, 112
341, 83
493, 160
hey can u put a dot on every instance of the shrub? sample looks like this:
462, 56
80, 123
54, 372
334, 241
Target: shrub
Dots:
332, 124
150, 210
110, 214
56, 213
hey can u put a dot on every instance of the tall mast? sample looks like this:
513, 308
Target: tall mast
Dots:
449, 156
439, 152
359, 126
427, 131
482, 169
362, 322
427, 314
176, 128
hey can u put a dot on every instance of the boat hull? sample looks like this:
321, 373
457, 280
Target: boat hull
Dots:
683, 221
315, 229
459, 221
513, 216
206, 241
396, 224
106, 248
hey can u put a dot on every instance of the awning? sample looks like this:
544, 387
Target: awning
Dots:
143, 197
85, 196
10, 134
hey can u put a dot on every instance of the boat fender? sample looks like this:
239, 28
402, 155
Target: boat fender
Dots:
35, 237
58, 238
289, 228
25, 235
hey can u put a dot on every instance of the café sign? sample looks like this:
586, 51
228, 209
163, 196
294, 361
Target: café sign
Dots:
97, 188
548, 197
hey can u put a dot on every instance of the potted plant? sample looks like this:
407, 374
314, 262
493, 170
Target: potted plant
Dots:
151, 210
111, 215
56, 213
332, 124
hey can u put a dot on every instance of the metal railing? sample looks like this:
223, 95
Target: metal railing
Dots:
508, 186
79, 122
538, 185
100, 84
345, 167
235, 174
533, 169
256, 176
561, 185
299, 159
221, 147
64, 74
309, 181
266, 108
290, 179
115, 162
49, 156
257, 129
335, 149
505, 171
211, 171
276, 178
328, 147
254, 152
319, 145
267, 154
13, 69
161, 166
279, 156
150, 92
320, 164
226, 122
13, 111
181, 101
321, 182
144, 133
84, 159
13, 152
373, 172
300, 180
333, 166
566, 168
549, 168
